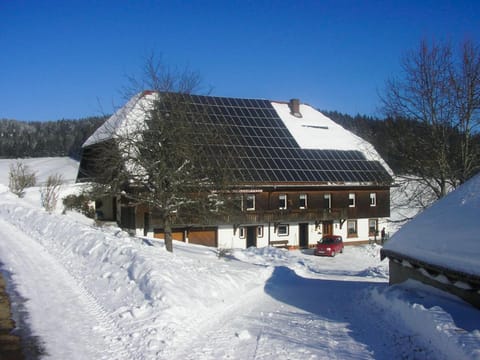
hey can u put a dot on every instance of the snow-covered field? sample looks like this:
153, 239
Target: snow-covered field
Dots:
97, 293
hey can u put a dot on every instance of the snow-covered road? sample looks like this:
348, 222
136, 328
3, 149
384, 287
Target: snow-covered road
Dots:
287, 320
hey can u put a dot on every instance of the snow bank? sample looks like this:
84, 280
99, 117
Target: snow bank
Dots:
136, 281
431, 323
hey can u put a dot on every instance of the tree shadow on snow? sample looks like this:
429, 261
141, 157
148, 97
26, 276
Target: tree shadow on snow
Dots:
32, 346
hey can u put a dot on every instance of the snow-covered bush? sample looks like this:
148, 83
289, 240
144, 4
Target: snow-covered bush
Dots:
20, 177
80, 203
50, 192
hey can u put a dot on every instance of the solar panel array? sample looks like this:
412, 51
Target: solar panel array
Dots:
263, 150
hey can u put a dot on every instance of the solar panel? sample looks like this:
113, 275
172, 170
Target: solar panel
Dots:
263, 150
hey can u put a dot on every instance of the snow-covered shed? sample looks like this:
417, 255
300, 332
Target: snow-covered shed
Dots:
441, 246
301, 175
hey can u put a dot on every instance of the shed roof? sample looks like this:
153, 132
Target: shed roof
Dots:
446, 234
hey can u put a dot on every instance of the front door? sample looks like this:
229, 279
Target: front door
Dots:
327, 228
251, 236
303, 235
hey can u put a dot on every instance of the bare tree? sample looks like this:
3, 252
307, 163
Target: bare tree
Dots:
169, 160
20, 177
466, 85
440, 90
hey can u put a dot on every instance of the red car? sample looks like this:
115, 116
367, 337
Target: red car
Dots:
329, 245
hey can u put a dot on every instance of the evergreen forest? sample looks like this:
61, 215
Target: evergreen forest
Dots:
20, 139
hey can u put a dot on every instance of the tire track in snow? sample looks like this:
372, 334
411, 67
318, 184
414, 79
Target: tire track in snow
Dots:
83, 328
253, 328
214, 338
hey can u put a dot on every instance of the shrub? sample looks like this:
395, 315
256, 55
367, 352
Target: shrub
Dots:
50, 192
80, 203
20, 177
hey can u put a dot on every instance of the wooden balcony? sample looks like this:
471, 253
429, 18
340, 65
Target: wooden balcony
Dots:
278, 216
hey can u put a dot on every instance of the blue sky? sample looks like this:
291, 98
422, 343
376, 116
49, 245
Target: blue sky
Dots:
71, 59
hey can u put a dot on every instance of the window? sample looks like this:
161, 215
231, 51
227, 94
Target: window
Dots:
241, 232
260, 231
352, 228
372, 227
250, 202
327, 201
302, 201
351, 200
282, 201
373, 199
282, 230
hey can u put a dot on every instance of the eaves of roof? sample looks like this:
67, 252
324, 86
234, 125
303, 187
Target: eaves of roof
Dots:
452, 274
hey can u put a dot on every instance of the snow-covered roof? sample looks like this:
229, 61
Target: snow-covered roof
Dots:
314, 130
278, 147
447, 233
127, 117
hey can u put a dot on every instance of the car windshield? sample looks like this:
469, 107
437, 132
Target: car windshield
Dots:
327, 240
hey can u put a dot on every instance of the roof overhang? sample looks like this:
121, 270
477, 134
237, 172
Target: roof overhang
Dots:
452, 274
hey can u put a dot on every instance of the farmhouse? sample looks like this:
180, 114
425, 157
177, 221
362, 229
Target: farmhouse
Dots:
299, 176
441, 247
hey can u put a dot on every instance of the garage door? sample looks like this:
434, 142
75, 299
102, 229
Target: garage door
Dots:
207, 237
176, 234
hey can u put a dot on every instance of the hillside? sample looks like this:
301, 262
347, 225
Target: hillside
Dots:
41, 139
98, 293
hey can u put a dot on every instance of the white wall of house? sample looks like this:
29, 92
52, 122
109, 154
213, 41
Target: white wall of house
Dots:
363, 231
227, 238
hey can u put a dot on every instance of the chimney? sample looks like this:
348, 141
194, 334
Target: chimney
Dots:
294, 105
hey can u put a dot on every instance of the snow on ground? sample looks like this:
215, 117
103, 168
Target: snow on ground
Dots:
97, 293
43, 168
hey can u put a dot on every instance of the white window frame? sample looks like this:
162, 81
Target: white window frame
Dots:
241, 232
282, 198
329, 198
376, 227
285, 230
260, 231
355, 226
351, 200
247, 197
305, 200
373, 199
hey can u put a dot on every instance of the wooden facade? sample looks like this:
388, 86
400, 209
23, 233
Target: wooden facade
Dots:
305, 208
